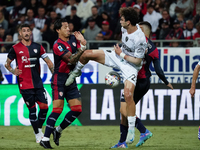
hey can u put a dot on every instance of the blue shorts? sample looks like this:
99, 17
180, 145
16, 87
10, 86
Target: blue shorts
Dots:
60, 91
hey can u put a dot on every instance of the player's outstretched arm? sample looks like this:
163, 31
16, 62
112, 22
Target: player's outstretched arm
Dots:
194, 78
49, 64
134, 60
15, 71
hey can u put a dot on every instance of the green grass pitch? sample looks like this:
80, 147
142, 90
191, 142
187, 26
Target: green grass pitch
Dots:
101, 138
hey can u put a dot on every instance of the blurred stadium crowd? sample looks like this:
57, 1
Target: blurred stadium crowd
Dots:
98, 19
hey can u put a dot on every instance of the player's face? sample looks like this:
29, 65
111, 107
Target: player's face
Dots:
25, 33
124, 23
65, 31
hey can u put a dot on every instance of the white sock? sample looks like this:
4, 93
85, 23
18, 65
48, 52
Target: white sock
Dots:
78, 67
131, 122
59, 129
40, 130
45, 139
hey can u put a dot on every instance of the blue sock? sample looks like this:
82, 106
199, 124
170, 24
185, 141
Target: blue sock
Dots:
51, 123
69, 118
33, 119
140, 126
124, 131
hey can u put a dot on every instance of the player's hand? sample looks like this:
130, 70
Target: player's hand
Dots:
117, 49
192, 91
17, 71
170, 86
80, 37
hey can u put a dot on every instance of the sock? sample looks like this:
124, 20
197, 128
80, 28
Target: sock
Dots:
78, 67
59, 129
124, 131
139, 125
41, 117
131, 122
33, 119
51, 123
45, 139
69, 118
40, 130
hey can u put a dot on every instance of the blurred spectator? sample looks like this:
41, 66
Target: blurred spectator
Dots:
84, 10
5, 12
16, 33
46, 5
1, 76
157, 5
3, 21
153, 18
166, 17
53, 17
6, 47
16, 11
164, 29
186, 7
21, 19
68, 9
111, 7
175, 44
180, 18
34, 6
190, 30
41, 21
176, 32
117, 32
74, 19
50, 35
196, 9
71, 27
60, 9
2, 34
106, 17
197, 35
138, 10
143, 6
172, 7
36, 35
98, 19
92, 30
100, 6
29, 16
128, 3
106, 32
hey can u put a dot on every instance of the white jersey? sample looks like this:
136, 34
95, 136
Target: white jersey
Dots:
134, 44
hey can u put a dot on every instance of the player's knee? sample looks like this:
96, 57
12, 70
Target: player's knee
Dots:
57, 110
43, 105
128, 95
32, 113
77, 109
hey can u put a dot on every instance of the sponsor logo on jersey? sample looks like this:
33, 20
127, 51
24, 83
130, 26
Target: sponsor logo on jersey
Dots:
24, 59
74, 44
126, 39
35, 50
29, 66
126, 48
60, 48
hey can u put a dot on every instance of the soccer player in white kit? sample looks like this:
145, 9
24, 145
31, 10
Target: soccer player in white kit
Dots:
128, 59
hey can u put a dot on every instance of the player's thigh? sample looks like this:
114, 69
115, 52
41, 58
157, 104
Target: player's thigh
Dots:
29, 99
141, 89
72, 94
96, 55
41, 96
58, 95
129, 88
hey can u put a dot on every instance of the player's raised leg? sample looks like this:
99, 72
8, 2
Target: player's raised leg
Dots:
96, 55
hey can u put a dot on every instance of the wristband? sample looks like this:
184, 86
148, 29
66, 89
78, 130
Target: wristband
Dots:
83, 47
122, 55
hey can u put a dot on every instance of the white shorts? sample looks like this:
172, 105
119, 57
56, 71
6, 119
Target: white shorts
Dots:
115, 61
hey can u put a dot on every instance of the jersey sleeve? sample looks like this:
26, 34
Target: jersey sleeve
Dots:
140, 49
199, 63
11, 54
43, 53
60, 49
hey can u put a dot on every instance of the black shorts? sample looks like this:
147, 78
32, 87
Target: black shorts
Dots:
142, 87
60, 91
31, 96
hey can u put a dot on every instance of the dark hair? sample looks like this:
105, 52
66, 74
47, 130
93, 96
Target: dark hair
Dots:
25, 25
95, 7
129, 14
146, 24
58, 23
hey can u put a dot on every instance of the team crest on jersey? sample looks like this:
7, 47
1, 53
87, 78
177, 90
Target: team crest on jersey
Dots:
60, 48
126, 39
61, 93
74, 44
35, 50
